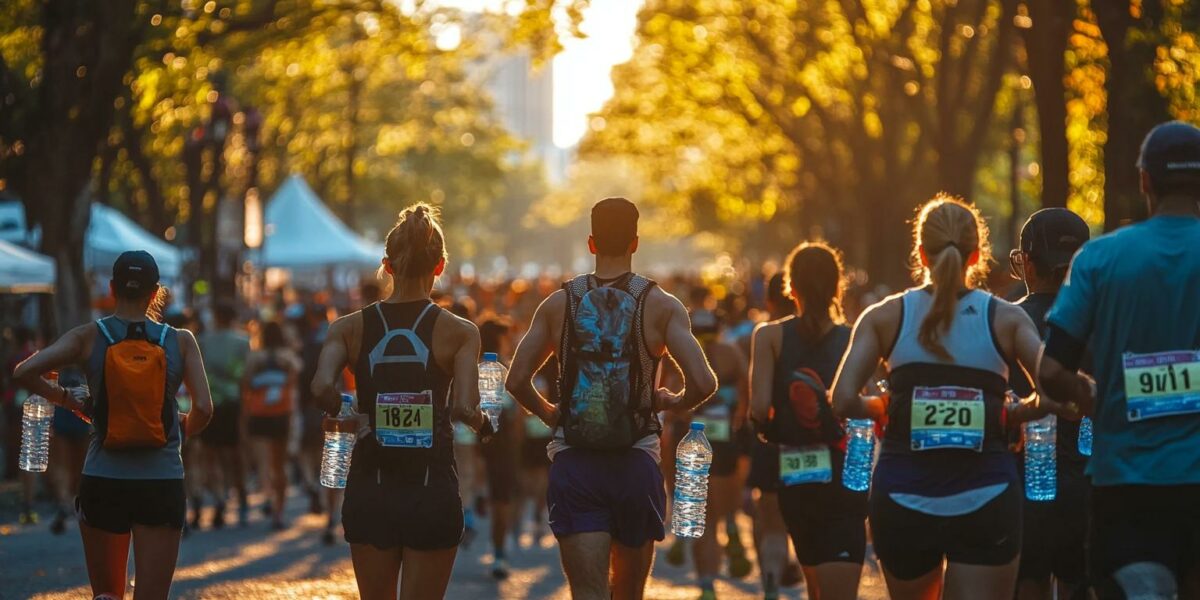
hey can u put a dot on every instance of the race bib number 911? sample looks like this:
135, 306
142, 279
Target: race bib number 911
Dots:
404, 419
947, 417
1161, 384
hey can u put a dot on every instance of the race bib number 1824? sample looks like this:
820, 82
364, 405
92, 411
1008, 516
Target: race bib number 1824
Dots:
404, 419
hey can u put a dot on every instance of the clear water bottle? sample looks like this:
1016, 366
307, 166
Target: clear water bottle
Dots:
1041, 476
36, 415
693, 458
860, 451
340, 434
491, 388
1085, 437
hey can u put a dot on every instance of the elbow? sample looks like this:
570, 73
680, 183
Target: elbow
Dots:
706, 386
22, 372
844, 405
759, 413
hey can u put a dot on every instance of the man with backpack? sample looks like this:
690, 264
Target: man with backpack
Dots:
610, 329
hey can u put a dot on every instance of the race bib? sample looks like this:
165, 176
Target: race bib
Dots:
404, 419
717, 427
947, 417
535, 428
1162, 384
810, 464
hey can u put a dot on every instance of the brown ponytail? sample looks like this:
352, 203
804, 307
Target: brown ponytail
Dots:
948, 230
415, 245
813, 279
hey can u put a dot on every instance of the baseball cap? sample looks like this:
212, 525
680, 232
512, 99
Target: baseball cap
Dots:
1052, 236
1171, 149
135, 270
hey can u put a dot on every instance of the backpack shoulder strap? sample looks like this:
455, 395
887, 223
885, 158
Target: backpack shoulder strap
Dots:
162, 334
105, 332
417, 323
382, 319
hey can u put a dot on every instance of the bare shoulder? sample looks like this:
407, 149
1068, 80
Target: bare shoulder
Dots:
346, 325
663, 302
1009, 314
888, 310
556, 301
457, 325
187, 341
770, 330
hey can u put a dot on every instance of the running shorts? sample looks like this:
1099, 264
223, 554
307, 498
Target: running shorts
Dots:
826, 522
764, 466
1141, 523
116, 505
223, 429
398, 509
272, 428
619, 492
910, 543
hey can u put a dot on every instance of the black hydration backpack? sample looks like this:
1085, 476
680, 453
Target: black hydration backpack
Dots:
605, 388
801, 415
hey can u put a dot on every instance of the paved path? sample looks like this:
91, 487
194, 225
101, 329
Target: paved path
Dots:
254, 562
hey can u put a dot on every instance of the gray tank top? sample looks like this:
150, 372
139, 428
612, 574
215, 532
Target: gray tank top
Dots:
155, 463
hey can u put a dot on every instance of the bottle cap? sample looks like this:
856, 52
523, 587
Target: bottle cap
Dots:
52, 376
697, 426
348, 399
491, 357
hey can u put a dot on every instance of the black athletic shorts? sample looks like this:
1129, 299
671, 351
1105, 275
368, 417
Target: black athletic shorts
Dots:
910, 543
116, 505
1054, 536
398, 509
826, 522
272, 428
223, 429
764, 466
1141, 523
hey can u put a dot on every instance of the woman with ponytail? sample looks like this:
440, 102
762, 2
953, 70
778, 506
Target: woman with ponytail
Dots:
132, 484
945, 505
824, 519
403, 515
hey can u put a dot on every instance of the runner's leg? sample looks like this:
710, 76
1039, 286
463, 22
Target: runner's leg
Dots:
976, 582
585, 560
706, 552
630, 569
426, 573
925, 587
105, 555
277, 460
376, 571
833, 580
155, 552
771, 533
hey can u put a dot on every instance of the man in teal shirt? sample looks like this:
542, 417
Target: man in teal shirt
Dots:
1135, 295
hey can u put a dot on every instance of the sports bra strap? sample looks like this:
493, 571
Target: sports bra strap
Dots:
416, 323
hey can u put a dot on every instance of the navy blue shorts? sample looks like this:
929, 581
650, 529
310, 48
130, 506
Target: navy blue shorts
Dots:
621, 493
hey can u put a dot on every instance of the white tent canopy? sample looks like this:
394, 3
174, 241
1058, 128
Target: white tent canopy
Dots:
110, 233
24, 271
301, 233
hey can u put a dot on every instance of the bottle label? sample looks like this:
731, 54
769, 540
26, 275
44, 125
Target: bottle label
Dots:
404, 419
717, 427
808, 464
1162, 384
947, 417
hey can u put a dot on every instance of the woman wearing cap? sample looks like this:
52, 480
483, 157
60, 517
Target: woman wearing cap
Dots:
945, 501
402, 506
132, 484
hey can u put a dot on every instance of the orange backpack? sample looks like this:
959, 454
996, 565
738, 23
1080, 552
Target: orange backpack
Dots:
270, 393
134, 411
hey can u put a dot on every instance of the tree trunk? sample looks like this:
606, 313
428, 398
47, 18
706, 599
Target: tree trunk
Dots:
87, 48
1134, 104
1046, 45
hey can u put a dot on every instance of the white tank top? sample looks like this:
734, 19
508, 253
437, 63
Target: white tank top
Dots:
972, 324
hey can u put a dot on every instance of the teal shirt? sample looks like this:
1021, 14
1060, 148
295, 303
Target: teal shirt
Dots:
1137, 290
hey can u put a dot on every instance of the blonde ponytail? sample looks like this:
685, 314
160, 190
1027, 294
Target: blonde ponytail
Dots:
949, 231
416, 244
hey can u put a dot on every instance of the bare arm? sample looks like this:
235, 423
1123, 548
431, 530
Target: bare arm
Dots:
532, 352
700, 383
762, 371
196, 382
860, 362
1021, 336
64, 352
466, 377
334, 356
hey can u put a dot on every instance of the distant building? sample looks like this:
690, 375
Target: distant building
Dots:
524, 96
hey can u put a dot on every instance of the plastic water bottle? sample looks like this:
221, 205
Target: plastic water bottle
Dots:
491, 388
340, 434
693, 459
1041, 477
1085, 437
860, 450
36, 414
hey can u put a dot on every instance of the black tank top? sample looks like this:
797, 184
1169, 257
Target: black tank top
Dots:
403, 391
822, 356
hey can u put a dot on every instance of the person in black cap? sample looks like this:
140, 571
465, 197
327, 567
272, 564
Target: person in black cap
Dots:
132, 486
1052, 542
1131, 298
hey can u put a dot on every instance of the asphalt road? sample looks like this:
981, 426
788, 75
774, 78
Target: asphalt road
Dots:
255, 562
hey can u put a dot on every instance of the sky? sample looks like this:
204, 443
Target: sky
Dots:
582, 71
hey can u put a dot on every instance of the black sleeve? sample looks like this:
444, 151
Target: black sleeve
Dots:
1064, 348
